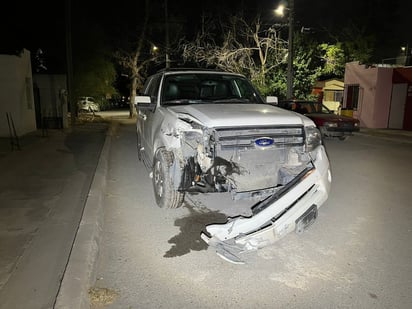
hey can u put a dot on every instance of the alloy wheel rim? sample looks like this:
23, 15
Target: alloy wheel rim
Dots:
158, 179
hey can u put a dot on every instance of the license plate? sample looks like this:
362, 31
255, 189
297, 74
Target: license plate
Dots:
305, 220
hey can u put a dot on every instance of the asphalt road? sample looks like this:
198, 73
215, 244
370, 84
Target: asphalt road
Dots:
357, 254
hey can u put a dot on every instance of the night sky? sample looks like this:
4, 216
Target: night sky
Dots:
39, 24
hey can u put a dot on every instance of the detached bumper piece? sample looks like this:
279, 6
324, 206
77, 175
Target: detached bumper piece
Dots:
293, 208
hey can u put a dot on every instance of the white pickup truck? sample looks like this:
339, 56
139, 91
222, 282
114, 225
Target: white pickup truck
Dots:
208, 131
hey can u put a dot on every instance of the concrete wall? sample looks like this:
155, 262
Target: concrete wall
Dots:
51, 92
375, 85
16, 93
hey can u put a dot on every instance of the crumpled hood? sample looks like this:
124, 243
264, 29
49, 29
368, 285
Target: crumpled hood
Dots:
230, 114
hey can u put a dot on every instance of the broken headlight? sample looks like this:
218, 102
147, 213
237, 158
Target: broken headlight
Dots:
313, 138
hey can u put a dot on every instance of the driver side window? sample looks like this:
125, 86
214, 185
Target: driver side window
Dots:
152, 88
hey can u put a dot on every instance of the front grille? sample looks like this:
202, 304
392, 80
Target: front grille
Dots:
348, 125
231, 138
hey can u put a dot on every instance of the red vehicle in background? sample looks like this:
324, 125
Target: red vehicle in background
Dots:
329, 124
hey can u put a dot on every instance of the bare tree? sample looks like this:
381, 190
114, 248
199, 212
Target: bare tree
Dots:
136, 61
247, 48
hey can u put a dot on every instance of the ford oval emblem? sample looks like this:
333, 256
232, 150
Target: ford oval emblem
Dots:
264, 142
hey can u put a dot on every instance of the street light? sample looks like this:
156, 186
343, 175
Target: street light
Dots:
280, 11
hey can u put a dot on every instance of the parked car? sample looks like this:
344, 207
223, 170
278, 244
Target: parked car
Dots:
329, 124
88, 104
204, 131
119, 102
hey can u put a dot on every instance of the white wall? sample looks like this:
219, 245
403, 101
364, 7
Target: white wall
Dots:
16, 94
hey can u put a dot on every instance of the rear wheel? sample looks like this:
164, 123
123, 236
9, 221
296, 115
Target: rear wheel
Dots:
165, 193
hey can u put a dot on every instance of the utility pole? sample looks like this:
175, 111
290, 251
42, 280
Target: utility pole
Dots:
167, 35
69, 65
290, 51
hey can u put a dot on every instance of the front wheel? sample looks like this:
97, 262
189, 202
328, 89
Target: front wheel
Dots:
139, 147
165, 193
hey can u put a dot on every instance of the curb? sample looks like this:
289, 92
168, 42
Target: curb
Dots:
401, 137
80, 274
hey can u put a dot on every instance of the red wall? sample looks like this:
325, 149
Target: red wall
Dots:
404, 75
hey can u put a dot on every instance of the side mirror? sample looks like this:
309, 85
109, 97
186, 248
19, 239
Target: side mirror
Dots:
272, 100
142, 99
144, 103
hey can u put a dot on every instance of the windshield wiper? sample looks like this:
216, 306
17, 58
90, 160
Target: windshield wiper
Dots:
231, 100
180, 102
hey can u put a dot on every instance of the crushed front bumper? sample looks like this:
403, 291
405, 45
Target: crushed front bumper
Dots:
294, 207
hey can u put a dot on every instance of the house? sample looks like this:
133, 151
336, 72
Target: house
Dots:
30, 101
16, 94
330, 92
379, 96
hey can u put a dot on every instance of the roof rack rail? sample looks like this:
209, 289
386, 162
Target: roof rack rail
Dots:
189, 69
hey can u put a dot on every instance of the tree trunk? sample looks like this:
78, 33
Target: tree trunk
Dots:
132, 110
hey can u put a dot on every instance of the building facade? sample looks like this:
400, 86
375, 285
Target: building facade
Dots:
16, 94
379, 96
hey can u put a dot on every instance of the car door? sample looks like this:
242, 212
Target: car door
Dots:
146, 116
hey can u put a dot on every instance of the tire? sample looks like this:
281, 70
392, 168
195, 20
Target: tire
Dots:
323, 132
343, 138
139, 146
165, 193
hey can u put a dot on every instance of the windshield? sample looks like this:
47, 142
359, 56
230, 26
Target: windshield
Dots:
208, 88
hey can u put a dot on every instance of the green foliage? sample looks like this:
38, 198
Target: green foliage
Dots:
313, 60
307, 68
305, 74
334, 59
95, 77
262, 83
356, 43
277, 83
94, 71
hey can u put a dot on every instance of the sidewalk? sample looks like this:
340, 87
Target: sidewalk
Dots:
43, 188
388, 134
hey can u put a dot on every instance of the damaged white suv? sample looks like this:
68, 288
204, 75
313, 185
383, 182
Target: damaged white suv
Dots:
211, 132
